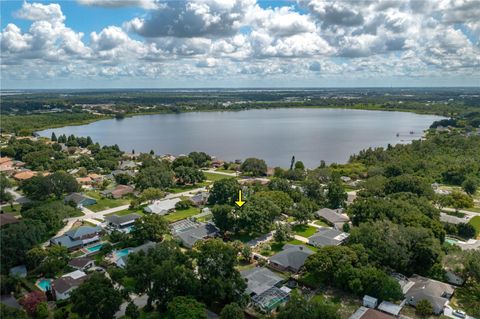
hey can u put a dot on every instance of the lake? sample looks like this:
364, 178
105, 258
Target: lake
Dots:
274, 135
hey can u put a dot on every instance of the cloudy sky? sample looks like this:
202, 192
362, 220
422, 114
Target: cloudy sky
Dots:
239, 43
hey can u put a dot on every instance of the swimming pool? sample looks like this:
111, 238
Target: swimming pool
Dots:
451, 240
122, 252
44, 284
94, 249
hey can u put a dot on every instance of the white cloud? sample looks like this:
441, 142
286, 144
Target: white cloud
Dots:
37, 11
146, 4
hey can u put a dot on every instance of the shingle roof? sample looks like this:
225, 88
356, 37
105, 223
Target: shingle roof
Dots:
327, 237
83, 231
429, 289
119, 220
80, 262
292, 256
260, 279
367, 313
191, 235
331, 216
69, 281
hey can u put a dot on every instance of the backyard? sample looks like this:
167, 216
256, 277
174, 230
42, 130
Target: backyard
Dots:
105, 203
475, 222
304, 230
182, 214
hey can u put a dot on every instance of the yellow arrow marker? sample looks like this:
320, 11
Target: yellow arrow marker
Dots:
239, 202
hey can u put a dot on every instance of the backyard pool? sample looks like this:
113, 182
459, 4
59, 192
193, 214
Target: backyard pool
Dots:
121, 253
44, 284
451, 240
94, 249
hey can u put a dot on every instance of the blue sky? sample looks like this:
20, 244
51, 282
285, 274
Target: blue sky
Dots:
239, 43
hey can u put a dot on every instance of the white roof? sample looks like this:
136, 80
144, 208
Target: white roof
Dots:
75, 274
162, 205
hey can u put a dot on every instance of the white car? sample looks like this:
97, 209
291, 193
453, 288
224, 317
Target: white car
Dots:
459, 313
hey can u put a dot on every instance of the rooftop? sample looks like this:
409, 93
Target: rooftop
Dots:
260, 279
292, 256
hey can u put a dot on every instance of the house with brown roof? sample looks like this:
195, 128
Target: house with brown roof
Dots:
24, 175
368, 313
6, 219
81, 263
119, 191
63, 286
84, 180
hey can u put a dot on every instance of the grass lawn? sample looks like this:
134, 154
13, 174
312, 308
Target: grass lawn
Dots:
215, 177
321, 223
473, 209
127, 211
182, 214
244, 237
304, 230
475, 222
105, 203
15, 210
186, 188
225, 170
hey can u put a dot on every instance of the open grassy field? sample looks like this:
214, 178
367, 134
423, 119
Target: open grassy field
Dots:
475, 222
185, 188
128, 211
105, 203
182, 214
215, 177
304, 230
321, 223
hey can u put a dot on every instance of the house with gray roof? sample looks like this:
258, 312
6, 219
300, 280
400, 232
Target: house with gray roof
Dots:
327, 237
436, 292
200, 198
123, 222
81, 263
291, 258
197, 231
162, 207
78, 237
334, 218
260, 279
79, 200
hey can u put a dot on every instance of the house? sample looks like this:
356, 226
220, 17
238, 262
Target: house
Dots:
122, 223
24, 175
81, 263
161, 207
118, 192
200, 198
370, 302
63, 286
217, 163
436, 292
120, 172
78, 237
18, 271
6, 165
84, 180
195, 232
6, 219
121, 259
333, 217
260, 279
96, 178
291, 258
369, 313
79, 200
327, 237
125, 165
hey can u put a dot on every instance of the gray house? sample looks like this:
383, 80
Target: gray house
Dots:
194, 232
333, 217
327, 237
436, 292
122, 223
291, 258
79, 200
260, 279
78, 237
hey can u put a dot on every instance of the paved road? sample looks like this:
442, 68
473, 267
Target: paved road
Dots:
221, 173
140, 301
464, 211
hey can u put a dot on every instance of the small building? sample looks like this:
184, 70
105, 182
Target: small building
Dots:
195, 232
118, 192
122, 223
161, 207
18, 271
24, 175
200, 198
126, 165
79, 200
7, 219
327, 237
260, 279
369, 313
370, 302
436, 292
391, 308
78, 237
291, 258
217, 163
334, 218
63, 286
81, 263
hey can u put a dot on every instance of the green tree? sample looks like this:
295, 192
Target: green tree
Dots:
201, 159
409, 183
336, 195
158, 176
223, 217
224, 191
150, 227
132, 311
54, 137
56, 184
232, 311
257, 215
470, 186
281, 199
151, 194
424, 308
50, 213
299, 165
254, 167
305, 210
219, 279
283, 233
11, 313
96, 298
466, 230
188, 175
298, 307
186, 308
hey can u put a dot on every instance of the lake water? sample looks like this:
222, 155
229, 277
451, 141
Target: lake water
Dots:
275, 135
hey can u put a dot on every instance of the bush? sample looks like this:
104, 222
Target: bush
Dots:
183, 204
